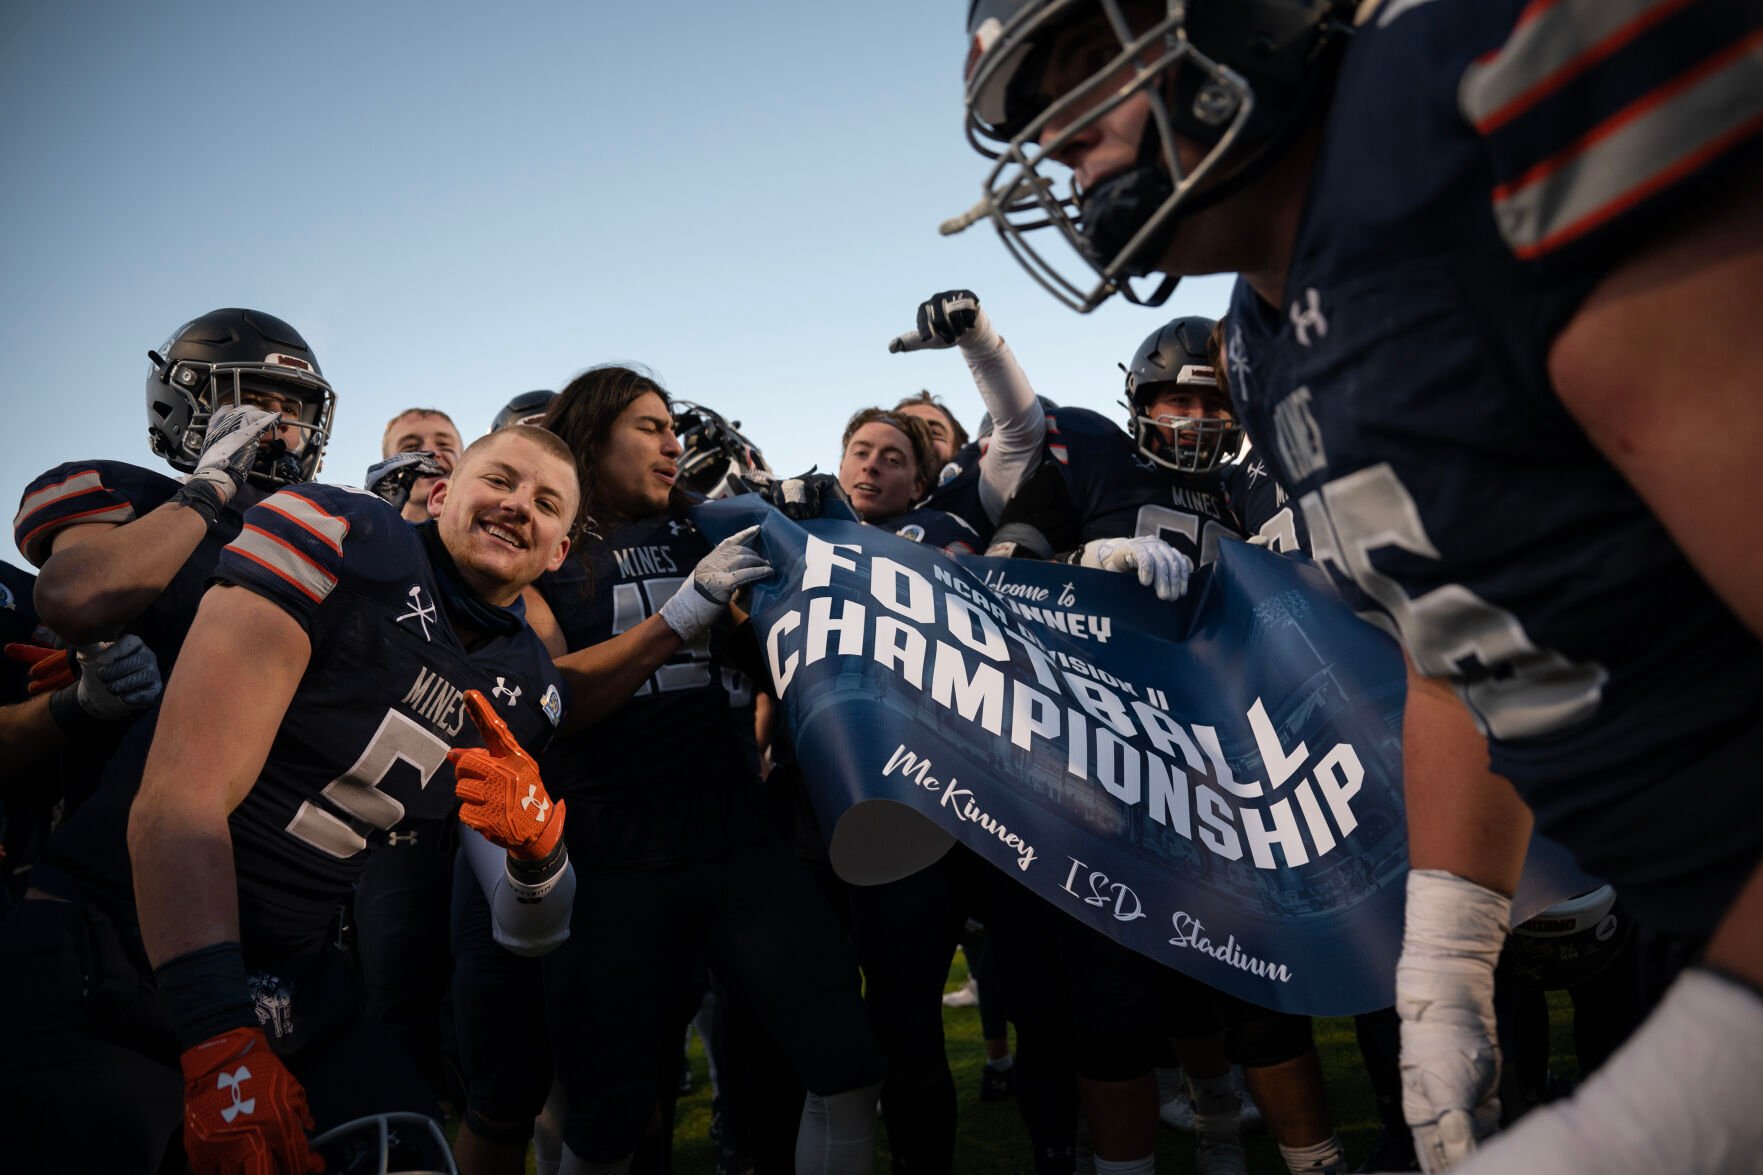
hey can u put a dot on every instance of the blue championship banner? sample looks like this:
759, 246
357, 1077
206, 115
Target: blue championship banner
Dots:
1214, 783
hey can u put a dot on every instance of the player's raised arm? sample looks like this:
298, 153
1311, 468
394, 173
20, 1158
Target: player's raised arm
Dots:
954, 318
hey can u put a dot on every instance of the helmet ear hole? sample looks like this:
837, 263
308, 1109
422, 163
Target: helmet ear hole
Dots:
161, 408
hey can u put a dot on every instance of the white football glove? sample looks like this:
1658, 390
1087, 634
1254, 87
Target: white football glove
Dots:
1159, 565
1445, 997
731, 565
229, 449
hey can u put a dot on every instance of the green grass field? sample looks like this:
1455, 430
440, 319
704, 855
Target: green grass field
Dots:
991, 1140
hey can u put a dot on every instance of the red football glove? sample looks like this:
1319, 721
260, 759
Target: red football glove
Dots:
244, 1114
500, 792
51, 669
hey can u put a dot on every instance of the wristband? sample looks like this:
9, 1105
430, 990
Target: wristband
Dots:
200, 495
529, 871
70, 717
530, 881
204, 993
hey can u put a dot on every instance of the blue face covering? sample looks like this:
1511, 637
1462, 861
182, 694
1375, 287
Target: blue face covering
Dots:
464, 606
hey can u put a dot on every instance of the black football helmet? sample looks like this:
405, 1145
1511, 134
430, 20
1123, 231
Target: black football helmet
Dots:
1235, 77
715, 451
526, 408
216, 361
386, 1144
1175, 353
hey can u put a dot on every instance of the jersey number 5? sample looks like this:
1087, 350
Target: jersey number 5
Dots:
357, 791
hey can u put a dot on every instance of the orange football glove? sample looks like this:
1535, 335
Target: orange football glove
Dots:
243, 1111
51, 669
500, 792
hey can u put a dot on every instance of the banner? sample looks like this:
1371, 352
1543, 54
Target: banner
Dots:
1214, 783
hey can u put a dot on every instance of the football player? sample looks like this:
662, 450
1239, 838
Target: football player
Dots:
403, 901
663, 784
885, 461
364, 641
414, 431
1455, 225
1154, 502
236, 402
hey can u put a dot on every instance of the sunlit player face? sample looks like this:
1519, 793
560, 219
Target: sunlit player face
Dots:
638, 463
505, 514
426, 431
879, 473
941, 434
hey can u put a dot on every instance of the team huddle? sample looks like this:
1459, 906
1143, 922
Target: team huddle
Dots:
332, 813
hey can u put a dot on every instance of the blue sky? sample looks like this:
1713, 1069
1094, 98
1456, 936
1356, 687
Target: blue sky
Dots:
454, 204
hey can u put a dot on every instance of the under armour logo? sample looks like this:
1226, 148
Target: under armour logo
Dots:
241, 1105
532, 799
1256, 471
1309, 318
400, 838
423, 614
679, 526
504, 690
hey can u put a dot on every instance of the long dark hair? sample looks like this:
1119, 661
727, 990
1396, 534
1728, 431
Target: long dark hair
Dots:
583, 414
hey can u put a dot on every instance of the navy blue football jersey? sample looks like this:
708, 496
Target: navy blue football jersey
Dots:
18, 625
672, 775
934, 528
24, 819
957, 492
1262, 506
363, 745
1483, 167
1111, 491
83, 492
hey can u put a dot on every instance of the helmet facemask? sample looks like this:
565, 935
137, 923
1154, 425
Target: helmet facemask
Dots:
1115, 230
1199, 444
1240, 117
204, 389
715, 458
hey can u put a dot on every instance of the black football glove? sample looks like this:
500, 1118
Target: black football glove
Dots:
799, 498
392, 478
942, 321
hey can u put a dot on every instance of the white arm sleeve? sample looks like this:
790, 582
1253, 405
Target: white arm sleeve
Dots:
1018, 424
526, 919
1681, 1096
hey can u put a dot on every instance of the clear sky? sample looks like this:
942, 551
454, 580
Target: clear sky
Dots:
454, 203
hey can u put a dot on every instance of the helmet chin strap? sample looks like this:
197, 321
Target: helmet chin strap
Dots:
1118, 207
1113, 211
